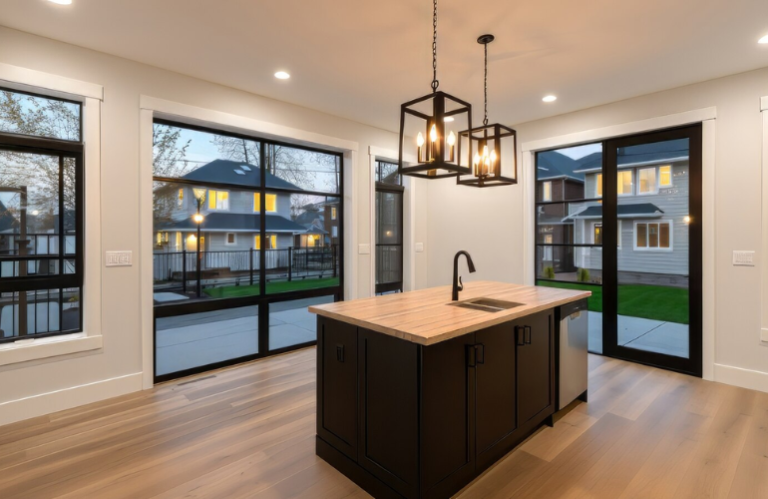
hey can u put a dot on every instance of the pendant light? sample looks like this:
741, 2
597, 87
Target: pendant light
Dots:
429, 125
495, 145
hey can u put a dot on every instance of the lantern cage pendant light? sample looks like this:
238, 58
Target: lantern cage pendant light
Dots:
428, 129
494, 144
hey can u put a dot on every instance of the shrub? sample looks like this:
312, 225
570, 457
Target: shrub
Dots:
582, 275
549, 272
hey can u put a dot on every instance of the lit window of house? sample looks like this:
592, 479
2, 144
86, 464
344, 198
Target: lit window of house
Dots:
181, 198
624, 187
218, 200
271, 242
271, 202
599, 185
665, 176
546, 191
333, 213
653, 236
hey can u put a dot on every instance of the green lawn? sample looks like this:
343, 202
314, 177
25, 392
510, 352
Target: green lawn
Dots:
636, 300
272, 287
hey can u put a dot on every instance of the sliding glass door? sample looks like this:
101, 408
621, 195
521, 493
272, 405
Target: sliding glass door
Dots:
652, 284
622, 219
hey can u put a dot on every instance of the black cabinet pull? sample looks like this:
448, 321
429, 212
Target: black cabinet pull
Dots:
471, 356
528, 335
480, 355
520, 333
340, 353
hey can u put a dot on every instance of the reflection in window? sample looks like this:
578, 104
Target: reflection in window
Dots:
665, 176
38, 116
271, 202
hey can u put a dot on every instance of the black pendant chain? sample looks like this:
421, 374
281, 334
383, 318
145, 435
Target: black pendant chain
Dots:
435, 82
485, 86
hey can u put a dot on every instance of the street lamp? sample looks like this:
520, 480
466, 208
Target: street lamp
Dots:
198, 218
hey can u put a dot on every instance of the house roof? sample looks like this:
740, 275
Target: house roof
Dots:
224, 171
644, 154
641, 210
235, 222
552, 165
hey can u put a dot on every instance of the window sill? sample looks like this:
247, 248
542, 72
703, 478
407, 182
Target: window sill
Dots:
42, 348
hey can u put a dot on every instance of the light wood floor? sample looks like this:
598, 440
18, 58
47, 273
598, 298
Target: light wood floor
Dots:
248, 431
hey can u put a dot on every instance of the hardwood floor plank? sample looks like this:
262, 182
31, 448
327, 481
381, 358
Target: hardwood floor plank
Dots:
248, 431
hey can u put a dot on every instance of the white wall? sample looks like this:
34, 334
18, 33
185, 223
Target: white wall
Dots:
25, 384
488, 222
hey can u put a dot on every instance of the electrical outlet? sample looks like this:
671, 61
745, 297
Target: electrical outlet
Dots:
419, 247
744, 258
119, 258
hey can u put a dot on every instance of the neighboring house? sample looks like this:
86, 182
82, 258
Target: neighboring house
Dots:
322, 223
232, 217
557, 181
653, 188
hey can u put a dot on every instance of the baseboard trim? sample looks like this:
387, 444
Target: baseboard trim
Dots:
67, 398
745, 378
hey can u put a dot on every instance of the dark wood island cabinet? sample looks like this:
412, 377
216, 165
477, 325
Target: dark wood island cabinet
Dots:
424, 404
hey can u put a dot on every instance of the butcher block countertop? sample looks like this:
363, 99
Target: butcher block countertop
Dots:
426, 316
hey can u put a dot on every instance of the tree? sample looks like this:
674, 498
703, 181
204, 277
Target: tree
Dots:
170, 161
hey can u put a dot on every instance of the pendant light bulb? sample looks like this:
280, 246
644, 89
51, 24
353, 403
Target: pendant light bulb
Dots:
493, 156
420, 140
433, 134
451, 138
476, 161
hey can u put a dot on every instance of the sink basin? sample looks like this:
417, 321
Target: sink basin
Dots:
486, 304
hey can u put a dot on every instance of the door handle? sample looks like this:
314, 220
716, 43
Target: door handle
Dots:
528, 335
520, 333
480, 353
340, 353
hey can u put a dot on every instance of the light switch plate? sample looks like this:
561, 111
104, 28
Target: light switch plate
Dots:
119, 258
364, 249
764, 335
744, 258
419, 247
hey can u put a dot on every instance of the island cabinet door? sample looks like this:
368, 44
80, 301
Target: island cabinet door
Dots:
496, 393
535, 366
388, 373
337, 385
447, 417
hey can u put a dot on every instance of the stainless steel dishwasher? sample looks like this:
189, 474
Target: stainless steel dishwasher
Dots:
572, 364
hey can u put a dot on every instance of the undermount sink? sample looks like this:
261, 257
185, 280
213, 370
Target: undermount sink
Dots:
486, 304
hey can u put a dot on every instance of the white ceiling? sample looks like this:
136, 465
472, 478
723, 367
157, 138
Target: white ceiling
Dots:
361, 59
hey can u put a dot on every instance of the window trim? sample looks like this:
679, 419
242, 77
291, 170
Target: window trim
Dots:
90, 96
226, 239
647, 240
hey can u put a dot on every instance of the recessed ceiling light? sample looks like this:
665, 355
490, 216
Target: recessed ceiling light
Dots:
763, 40
61, 2
282, 75
448, 119
549, 98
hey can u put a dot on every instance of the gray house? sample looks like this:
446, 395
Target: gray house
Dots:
652, 211
232, 218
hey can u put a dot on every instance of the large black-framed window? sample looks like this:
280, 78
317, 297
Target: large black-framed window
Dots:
247, 233
389, 228
41, 216
622, 219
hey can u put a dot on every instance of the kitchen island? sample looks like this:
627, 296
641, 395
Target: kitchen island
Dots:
417, 394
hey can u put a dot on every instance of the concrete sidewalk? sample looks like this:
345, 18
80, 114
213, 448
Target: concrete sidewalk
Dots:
642, 334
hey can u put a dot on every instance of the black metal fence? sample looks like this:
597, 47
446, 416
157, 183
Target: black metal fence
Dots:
178, 270
389, 264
